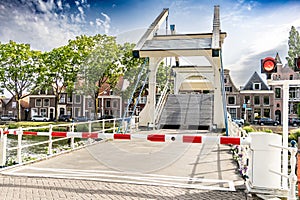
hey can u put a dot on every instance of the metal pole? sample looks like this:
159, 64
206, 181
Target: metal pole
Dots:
50, 140
292, 176
285, 133
3, 146
19, 151
72, 138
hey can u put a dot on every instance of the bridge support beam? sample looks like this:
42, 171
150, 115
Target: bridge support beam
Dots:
147, 116
218, 117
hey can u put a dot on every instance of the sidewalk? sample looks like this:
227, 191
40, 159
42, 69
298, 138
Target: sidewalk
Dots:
28, 188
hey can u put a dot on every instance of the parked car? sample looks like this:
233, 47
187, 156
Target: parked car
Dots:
267, 121
239, 122
65, 118
294, 121
81, 119
8, 118
39, 118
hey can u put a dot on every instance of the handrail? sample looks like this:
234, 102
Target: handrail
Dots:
161, 102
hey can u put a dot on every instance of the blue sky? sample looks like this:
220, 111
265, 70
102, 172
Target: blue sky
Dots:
256, 29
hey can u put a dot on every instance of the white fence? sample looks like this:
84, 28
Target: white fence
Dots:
54, 133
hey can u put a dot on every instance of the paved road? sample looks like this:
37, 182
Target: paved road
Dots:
129, 170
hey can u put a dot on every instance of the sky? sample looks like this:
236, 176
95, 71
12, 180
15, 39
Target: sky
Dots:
255, 29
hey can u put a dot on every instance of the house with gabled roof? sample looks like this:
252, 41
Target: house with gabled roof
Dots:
285, 72
232, 96
257, 99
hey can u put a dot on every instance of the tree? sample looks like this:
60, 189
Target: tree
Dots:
294, 46
101, 66
131, 68
61, 72
21, 70
63, 65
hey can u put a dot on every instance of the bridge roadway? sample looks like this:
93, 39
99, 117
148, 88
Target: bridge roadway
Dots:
136, 169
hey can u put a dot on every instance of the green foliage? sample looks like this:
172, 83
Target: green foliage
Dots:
20, 69
294, 135
247, 124
82, 128
162, 75
267, 130
13, 126
294, 46
248, 129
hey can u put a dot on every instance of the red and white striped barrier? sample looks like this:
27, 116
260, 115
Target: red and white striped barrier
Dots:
151, 137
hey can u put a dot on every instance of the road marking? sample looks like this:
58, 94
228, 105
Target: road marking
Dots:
125, 177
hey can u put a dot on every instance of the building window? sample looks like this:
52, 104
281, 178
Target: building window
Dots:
225, 80
143, 100
70, 98
231, 100
291, 77
247, 100
77, 112
62, 98
44, 112
257, 113
115, 104
256, 100
90, 103
77, 98
256, 86
34, 111
277, 93
266, 100
107, 103
38, 102
42, 91
278, 105
228, 88
46, 102
232, 112
266, 112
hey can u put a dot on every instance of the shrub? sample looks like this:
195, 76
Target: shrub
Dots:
267, 130
294, 135
248, 129
247, 124
13, 126
82, 128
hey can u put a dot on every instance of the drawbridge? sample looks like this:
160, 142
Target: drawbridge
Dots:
200, 80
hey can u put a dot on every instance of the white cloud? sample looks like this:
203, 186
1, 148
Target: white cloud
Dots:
81, 12
105, 24
59, 4
255, 35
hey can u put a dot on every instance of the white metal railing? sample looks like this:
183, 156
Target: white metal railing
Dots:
97, 126
292, 178
240, 152
161, 102
242, 155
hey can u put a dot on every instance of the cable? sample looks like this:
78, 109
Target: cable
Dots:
135, 87
223, 94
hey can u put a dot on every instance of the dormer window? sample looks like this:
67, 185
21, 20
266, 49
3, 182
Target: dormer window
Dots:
256, 86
